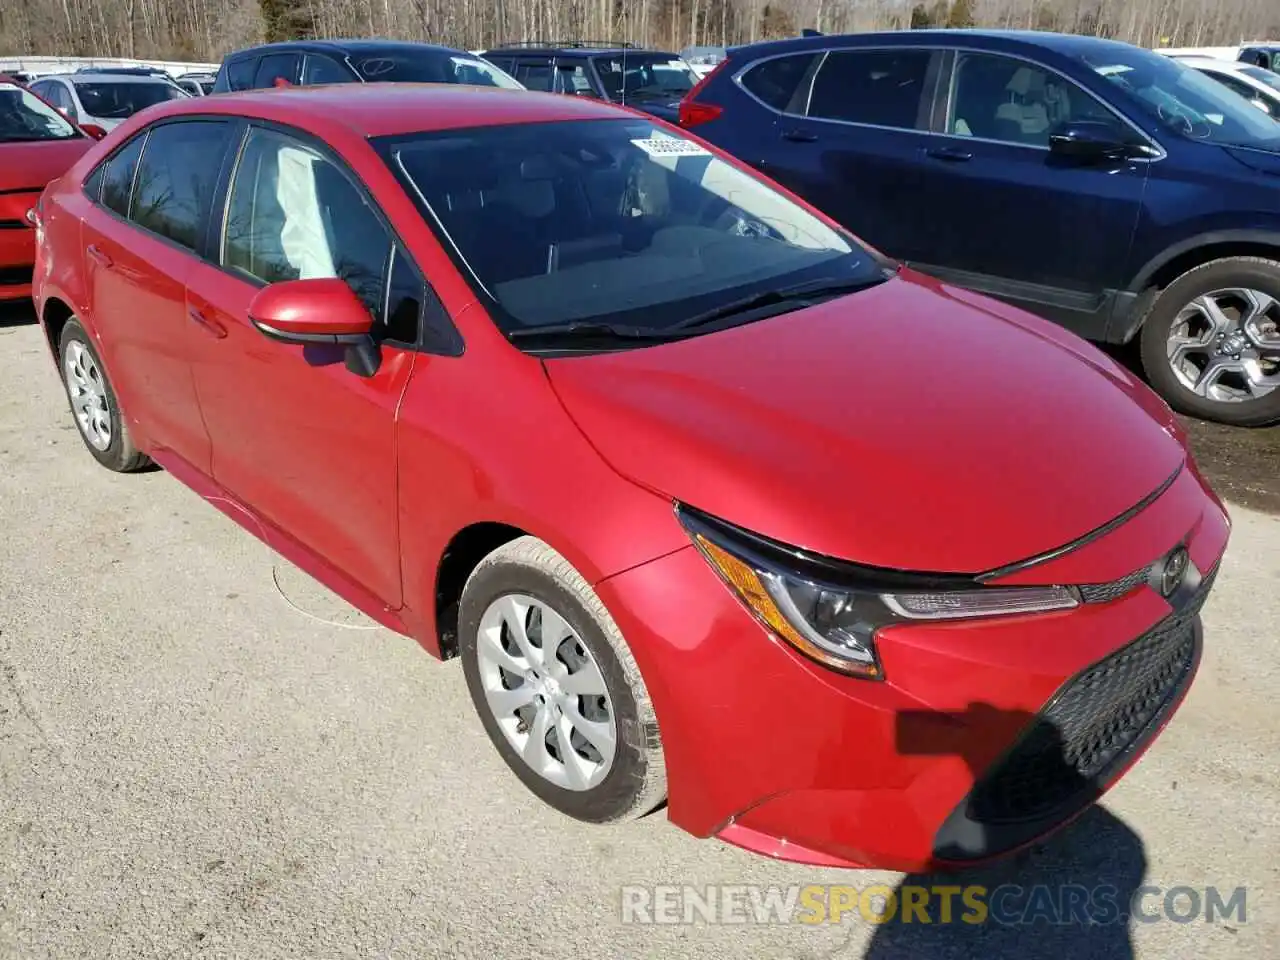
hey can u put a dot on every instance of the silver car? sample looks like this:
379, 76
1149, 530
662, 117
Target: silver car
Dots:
105, 99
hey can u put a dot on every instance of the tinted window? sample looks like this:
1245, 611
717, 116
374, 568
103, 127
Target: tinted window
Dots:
240, 73
177, 178
119, 99
535, 74
572, 78
319, 69
404, 299
614, 220
278, 66
776, 81
636, 76
117, 181
881, 87
999, 98
428, 65
24, 116
293, 215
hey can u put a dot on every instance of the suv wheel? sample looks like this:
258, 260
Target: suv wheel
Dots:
556, 688
1211, 342
94, 405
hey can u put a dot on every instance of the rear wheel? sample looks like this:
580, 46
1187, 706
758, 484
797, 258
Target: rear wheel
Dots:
1211, 342
556, 687
93, 403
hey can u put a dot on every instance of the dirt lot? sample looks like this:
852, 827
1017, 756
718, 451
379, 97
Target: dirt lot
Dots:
194, 763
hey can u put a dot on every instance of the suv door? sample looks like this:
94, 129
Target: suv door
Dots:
307, 444
141, 241
853, 139
1000, 214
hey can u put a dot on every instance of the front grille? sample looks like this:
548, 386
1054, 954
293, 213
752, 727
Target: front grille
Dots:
14, 225
1093, 722
1106, 592
14, 276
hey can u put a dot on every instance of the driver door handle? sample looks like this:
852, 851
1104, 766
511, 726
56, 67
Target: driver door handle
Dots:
206, 323
799, 136
949, 154
99, 255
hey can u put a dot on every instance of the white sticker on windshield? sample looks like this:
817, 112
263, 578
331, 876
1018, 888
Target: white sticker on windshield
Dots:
671, 147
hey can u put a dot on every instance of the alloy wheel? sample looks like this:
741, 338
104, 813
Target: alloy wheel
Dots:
1225, 345
547, 692
88, 393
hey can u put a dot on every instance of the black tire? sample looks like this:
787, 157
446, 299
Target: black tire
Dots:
636, 782
120, 454
1248, 272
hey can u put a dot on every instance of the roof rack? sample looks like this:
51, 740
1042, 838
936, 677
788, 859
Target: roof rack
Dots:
569, 44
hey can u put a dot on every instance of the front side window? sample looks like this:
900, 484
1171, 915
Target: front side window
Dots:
25, 117
883, 88
615, 221
644, 76
293, 215
177, 177
431, 66
320, 69
120, 99
572, 79
1013, 101
1183, 100
276, 69
536, 74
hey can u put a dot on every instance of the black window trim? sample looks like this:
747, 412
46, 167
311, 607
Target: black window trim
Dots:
432, 312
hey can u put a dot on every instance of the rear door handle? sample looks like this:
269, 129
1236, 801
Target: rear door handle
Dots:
799, 136
949, 154
99, 255
206, 323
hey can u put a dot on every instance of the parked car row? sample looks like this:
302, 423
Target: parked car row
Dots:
647, 442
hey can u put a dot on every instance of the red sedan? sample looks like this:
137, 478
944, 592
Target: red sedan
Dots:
37, 144
715, 503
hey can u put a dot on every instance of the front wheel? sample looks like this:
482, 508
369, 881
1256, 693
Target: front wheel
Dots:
1211, 342
556, 687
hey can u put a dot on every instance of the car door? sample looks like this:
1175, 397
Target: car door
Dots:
141, 241
853, 143
1003, 215
307, 444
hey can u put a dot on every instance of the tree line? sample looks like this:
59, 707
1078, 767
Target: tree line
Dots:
207, 29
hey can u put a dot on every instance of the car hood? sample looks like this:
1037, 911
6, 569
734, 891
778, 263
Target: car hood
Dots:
911, 426
32, 164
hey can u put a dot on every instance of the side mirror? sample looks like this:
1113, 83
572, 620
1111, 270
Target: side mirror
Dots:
1261, 105
320, 311
93, 130
1088, 140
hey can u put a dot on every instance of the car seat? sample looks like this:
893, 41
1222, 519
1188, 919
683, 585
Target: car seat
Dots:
1024, 117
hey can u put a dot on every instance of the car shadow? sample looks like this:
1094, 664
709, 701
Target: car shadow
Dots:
19, 313
1068, 896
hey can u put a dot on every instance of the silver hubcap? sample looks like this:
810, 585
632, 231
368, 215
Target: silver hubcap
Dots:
88, 395
546, 692
1225, 345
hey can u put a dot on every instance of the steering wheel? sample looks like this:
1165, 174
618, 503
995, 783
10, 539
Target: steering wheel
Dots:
1183, 121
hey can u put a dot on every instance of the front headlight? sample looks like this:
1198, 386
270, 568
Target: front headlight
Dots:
830, 610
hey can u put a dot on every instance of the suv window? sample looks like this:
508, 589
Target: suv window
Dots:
177, 177
883, 88
776, 81
277, 66
572, 78
321, 69
293, 215
535, 74
240, 73
117, 180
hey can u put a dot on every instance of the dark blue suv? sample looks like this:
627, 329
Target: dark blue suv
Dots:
1105, 187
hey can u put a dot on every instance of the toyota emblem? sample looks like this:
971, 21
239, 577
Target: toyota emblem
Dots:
1175, 568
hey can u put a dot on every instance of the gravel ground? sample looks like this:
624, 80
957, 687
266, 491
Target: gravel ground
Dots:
196, 763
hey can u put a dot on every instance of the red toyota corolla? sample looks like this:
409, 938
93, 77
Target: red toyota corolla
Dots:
37, 144
716, 504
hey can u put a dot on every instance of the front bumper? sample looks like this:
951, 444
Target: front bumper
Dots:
945, 761
17, 259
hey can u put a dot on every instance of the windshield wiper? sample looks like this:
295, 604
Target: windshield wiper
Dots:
589, 330
794, 297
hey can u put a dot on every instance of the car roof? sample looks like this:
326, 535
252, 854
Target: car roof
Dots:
352, 47
388, 109
1068, 44
571, 50
112, 77
1233, 65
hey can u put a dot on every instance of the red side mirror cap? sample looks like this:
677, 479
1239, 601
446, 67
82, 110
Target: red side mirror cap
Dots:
310, 311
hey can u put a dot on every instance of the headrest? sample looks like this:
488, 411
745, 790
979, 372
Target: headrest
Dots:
1025, 81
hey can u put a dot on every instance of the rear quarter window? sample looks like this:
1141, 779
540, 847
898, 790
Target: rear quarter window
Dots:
776, 82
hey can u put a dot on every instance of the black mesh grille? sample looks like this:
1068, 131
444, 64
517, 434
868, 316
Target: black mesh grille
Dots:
1093, 721
1106, 592
12, 276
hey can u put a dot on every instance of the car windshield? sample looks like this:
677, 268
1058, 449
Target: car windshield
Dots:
615, 222
24, 116
431, 66
119, 99
1265, 76
1186, 101
628, 76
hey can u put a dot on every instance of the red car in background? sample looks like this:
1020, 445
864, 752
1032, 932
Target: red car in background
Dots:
37, 144
715, 503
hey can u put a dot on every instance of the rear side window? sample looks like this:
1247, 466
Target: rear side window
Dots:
240, 73
777, 81
177, 178
117, 179
884, 88
535, 75
278, 66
